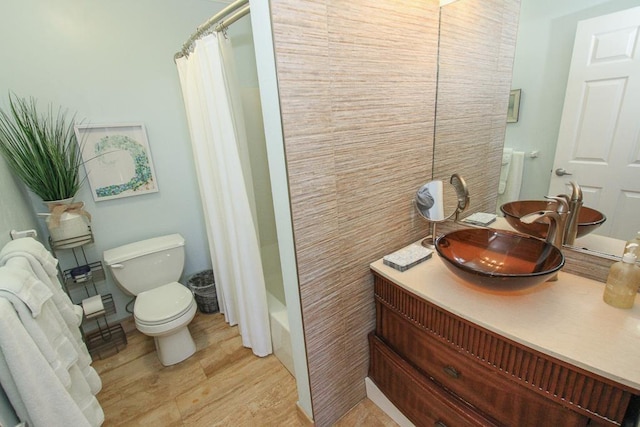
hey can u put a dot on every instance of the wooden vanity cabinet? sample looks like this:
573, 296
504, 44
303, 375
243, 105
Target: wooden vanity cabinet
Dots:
442, 370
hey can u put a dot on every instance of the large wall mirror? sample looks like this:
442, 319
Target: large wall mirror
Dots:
545, 42
475, 57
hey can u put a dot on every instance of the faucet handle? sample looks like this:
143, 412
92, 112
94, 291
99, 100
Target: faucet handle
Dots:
563, 204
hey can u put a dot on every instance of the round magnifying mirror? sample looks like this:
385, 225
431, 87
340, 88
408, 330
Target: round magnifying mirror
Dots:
437, 201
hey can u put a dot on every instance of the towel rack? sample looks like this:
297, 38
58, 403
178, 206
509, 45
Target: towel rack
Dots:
15, 234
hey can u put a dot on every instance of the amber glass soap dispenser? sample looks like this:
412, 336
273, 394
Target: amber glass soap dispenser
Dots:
623, 281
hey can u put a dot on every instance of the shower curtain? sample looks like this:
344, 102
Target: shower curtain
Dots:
216, 127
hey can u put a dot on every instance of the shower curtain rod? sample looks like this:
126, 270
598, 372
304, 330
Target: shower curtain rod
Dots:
218, 22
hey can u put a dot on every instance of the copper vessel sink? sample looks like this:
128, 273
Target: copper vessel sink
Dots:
588, 219
499, 259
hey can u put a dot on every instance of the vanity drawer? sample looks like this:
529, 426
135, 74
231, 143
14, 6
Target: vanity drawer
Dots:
420, 399
479, 384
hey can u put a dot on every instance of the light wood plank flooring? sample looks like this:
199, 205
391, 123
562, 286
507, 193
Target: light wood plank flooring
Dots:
223, 384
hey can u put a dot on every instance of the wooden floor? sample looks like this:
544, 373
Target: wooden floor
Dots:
223, 384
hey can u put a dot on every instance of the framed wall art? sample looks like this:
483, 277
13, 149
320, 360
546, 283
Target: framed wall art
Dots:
117, 160
513, 112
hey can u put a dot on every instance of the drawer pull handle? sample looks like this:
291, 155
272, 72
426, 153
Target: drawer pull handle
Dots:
451, 371
439, 424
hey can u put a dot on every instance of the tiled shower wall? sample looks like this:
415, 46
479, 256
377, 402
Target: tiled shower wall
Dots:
357, 85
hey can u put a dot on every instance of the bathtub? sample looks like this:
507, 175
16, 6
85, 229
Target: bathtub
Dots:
280, 336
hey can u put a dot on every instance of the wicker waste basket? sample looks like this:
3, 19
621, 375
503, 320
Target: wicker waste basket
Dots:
203, 286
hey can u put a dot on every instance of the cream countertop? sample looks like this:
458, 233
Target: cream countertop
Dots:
566, 319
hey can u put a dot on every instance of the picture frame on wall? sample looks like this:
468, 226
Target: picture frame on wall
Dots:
117, 160
513, 112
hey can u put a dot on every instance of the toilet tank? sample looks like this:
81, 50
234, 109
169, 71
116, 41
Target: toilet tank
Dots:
147, 264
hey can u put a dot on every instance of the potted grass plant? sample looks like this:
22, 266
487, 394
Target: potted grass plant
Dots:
42, 151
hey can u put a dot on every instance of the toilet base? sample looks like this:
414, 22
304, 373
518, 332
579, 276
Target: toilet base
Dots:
176, 347
172, 339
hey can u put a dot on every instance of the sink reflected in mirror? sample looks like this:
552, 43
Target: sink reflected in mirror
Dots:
588, 219
499, 259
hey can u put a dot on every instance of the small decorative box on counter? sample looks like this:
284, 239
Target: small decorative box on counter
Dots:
407, 257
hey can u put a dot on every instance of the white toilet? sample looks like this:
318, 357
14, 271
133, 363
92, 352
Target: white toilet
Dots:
149, 270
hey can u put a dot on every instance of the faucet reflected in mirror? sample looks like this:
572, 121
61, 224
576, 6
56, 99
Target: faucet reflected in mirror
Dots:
563, 222
557, 220
574, 204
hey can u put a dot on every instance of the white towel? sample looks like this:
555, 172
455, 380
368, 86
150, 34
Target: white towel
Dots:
57, 351
16, 279
63, 311
41, 266
34, 389
33, 247
60, 344
514, 181
507, 153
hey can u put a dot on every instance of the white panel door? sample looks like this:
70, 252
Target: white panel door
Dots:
599, 138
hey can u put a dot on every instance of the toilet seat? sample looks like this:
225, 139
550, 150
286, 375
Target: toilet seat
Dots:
163, 304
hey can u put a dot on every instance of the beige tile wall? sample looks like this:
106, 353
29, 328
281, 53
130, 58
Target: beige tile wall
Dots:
357, 85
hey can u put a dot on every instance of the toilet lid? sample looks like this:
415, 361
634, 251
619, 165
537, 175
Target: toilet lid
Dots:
162, 304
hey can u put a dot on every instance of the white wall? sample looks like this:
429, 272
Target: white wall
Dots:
112, 62
543, 55
15, 210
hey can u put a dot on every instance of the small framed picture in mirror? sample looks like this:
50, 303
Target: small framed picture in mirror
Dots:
514, 106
